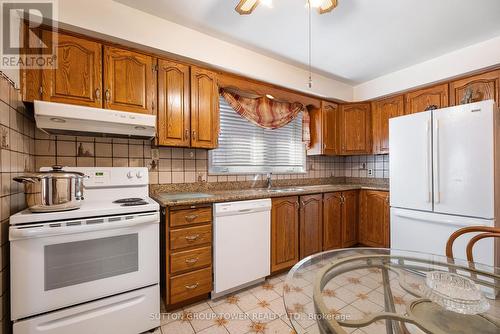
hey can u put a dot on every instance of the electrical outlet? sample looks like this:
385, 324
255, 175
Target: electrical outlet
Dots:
370, 172
155, 154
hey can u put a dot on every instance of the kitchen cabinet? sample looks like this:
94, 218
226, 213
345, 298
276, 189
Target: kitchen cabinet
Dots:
30, 78
284, 232
374, 218
332, 221
174, 116
186, 253
382, 111
355, 129
129, 81
323, 127
76, 74
425, 98
483, 86
311, 224
204, 108
350, 205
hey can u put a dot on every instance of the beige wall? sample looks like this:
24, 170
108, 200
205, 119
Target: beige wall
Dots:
17, 156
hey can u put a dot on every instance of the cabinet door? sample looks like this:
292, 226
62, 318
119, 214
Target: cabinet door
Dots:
350, 218
76, 75
129, 81
332, 221
381, 112
330, 128
31, 78
204, 108
311, 224
173, 104
422, 99
355, 129
483, 87
284, 232
374, 216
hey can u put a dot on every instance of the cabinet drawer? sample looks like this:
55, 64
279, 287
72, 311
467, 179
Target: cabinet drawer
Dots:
191, 236
190, 260
190, 216
190, 285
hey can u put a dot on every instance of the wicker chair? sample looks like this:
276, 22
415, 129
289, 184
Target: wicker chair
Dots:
488, 232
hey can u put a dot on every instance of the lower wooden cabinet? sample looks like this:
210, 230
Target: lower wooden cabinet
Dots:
284, 232
350, 205
374, 218
332, 221
311, 224
186, 254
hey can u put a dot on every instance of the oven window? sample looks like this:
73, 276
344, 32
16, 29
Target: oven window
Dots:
89, 260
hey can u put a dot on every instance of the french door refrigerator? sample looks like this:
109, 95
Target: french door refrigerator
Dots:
444, 175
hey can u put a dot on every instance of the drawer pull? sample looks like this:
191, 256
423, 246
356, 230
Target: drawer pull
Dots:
192, 286
191, 261
190, 218
192, 237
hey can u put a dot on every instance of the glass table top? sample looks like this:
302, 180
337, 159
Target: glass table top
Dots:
367, 290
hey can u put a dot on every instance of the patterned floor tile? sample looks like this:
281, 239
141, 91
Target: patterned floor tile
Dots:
261, 314
177, 327
248, 302
238, 326
197, 307
277, 327
203, 319
265, 292
213, 330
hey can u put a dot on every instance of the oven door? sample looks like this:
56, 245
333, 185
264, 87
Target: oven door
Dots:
64, 263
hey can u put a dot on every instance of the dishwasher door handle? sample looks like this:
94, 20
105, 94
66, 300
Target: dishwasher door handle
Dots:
245, 210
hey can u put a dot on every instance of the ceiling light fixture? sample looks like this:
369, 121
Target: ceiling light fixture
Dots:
246, 7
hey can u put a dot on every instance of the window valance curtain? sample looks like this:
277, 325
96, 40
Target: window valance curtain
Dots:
268, 113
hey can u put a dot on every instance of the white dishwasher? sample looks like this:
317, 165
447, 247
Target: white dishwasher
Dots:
242, 244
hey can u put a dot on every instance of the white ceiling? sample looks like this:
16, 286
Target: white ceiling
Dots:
358, 41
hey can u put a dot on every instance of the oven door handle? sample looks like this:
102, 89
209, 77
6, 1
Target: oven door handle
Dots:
16, 233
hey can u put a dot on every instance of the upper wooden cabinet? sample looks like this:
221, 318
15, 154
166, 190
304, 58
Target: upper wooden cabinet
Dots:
355, 129
382, 110
324, 134
75, 77
332, 221
129, 81
174, 117
284, 232
311, 224
482, 87
425, 98
374, 218
204, 108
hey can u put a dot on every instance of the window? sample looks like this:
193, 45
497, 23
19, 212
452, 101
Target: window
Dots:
245, 148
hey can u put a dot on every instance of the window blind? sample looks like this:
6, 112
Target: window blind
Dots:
245, 148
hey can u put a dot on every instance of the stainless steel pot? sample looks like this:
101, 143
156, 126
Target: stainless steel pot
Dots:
55, 190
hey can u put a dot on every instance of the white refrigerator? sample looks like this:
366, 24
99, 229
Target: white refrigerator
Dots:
444, 175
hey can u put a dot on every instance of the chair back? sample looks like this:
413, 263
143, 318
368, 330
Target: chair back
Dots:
487, 232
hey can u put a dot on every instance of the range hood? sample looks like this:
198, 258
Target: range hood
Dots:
68, 119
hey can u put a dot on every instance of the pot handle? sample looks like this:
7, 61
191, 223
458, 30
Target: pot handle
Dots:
24, 179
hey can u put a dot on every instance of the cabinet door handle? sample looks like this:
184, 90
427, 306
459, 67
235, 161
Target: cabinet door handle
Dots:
302, 203
194, 135
192, 286
98, 94
186, 134
107, 95
191, 261
190, 218
191, 238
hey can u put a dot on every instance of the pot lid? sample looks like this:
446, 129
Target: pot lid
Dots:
56, 172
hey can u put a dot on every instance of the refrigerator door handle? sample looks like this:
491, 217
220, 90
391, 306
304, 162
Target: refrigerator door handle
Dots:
437, 185
429, 163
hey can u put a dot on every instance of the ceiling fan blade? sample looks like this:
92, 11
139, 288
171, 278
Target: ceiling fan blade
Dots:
246, 7
327, 6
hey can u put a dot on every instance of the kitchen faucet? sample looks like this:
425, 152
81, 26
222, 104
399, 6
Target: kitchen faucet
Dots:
269, 181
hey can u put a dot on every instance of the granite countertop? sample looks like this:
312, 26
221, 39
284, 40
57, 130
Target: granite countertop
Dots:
214, 196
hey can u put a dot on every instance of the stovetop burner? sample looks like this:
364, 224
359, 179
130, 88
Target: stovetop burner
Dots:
141, 202
129, 200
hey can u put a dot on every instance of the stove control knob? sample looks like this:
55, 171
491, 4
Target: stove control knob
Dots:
130, 175
139, 175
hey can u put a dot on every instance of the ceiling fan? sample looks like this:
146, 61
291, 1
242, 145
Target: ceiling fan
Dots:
246, 7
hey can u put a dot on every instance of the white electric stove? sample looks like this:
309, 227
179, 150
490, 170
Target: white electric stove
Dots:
94, 269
